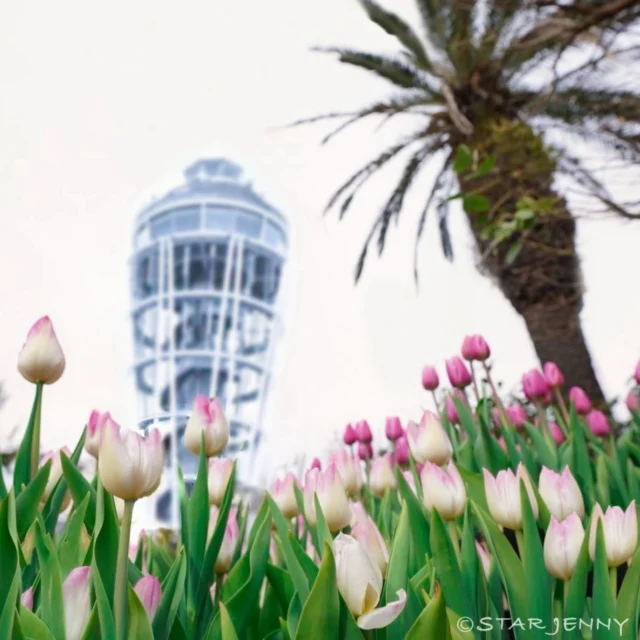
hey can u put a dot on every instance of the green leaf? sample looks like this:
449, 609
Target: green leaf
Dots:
628, 606
138, 625
105, 615
419, 524
228, 632
576, 593
70, 551
172, 592
432, 622
603, 601
282, 585
513, 252
22, 471
474, 485
546, 455
485, 167
8, 608
467, 420
28, 502
79, 488
470, 561
33, 627
464, 159
581, 465
3, 487
293, 615
475, 203
324, 535
199, 513
320, 617
9, 558
106, 537
51, 599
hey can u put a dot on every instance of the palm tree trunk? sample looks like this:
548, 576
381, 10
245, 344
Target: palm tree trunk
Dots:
544, 281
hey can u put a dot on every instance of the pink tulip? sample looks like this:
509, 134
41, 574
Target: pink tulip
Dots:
149, 592
636, 374
332, 497
95, 425
620, 529
363, 430
229, 541
428, 440
503, 496
553, 375
443, 490
27, 599
503, 444
77, 602
402, 451
41, 358
408, 476
430, 380
517, 415
350, 436
556, 433
598, 423
534, 385
369, 536
207, 417
218, 477
458, 373
561, 493
633, 401
381, 476
393, 429
562, 545
365, 451
475, 347
315, 464
358, 512
485, 558
451, 411
284, 495
349, 470
580, 400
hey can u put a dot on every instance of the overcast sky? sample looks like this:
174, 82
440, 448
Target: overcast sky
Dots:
103, 105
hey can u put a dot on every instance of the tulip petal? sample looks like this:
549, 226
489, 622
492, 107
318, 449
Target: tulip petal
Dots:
384, 616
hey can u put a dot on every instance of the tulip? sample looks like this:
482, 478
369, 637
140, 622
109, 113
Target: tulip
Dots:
381, 476
149, 592
130, 466
315, 464
365, 451
329, 488
553, 375
534, 385
358, 512
636, 374
458, 373
580, 400
562, 546
41, 358
349, 470
393, 429
517, 415
503, 496
475, 347
207, 417
556, 433
633, 401
620, 529
430, 380
360, 584
27, 599
561, 493
350, 436
76, 602
369, 536
219, 474
55, 474
598, 423
485, 559
402, 450
443, 490
95, 424
284, 495
429, 441
451, 411
229, 541
363, 431
408, 476
311, 551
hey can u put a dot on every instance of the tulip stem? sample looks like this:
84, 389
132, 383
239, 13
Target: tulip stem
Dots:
613, 579
35, 439
563, 408
453, 534
435, 402
475, 384
120, 596
496, 397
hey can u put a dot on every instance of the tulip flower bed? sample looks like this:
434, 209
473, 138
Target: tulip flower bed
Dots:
480, 521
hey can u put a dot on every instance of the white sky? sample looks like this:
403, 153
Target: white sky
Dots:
103, 101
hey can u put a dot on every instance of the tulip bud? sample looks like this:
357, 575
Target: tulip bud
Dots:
562, 546
393, 429
443, 490
363, 431
358, 512
402, 451
580, 400
315, 464
332, 497
429, 441
485, 559
381, 476
350, 436
229, 541
458, 373
54, 475
130, 466
553, 375
430, 380
365, 452
27, 599
149, 592
636, 374
95, 425
369, 536
41, 358
284, 495
620, 529
598, 423
633, 401
503, 496
561, 493
349, 470
451, 411
534, 385
556, 433
360, 584
218, 478
207, 417
77, 603
475, 347
517, 415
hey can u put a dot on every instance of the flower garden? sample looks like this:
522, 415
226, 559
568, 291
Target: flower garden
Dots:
485, 519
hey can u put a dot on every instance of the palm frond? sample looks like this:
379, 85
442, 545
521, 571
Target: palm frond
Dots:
433, 22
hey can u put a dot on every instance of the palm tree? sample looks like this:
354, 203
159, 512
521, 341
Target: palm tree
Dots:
500, 92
